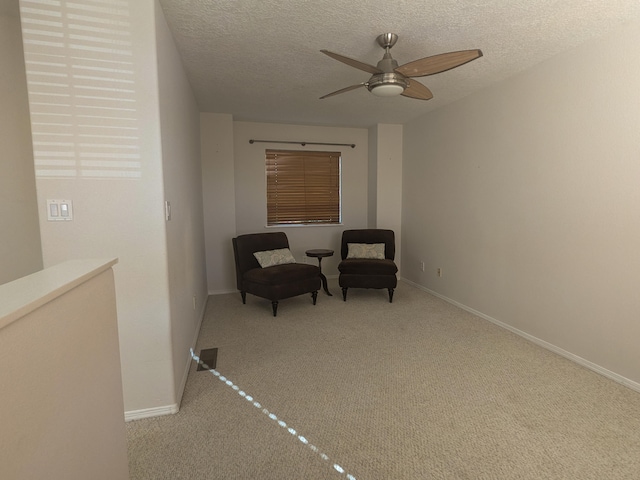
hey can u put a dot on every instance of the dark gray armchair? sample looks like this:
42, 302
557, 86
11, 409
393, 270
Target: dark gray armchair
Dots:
275, 282
368, 272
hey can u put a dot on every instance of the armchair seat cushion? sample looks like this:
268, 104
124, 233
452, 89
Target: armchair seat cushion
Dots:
367, 266
281, 274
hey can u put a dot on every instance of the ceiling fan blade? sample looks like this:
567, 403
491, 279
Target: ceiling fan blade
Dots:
438, 63
342, 90
417, 90
353, 63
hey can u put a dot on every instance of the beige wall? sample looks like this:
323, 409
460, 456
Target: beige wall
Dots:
180, 133
233, 169
61, 407
526, 195
123, 217
218, 187
372, 179
20, 250
250, 183
387, 182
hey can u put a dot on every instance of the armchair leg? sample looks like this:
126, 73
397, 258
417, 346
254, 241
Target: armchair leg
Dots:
344, 293
274, 305
244, 297
314, 296
390, 295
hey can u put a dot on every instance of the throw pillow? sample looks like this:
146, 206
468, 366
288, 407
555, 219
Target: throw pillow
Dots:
366, 250
269, 258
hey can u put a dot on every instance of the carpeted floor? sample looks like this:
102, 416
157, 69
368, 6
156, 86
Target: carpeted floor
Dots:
416, 389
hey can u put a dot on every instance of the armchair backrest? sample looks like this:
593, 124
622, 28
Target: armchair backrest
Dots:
370, 235
244, 246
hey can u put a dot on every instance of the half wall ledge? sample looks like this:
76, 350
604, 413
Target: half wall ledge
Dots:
23, 296
62, 409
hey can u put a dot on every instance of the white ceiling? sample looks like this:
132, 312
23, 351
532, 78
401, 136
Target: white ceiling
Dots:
260, 60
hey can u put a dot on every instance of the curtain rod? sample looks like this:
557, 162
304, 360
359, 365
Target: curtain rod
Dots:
352, 145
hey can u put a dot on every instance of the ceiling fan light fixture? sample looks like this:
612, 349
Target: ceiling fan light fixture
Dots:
387, 84
387, 90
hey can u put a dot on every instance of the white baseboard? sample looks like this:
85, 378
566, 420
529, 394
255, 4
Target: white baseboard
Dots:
150, 412
175, 408
544, 344
187, 366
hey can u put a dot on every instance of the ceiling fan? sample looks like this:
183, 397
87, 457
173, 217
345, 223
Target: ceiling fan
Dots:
389, 79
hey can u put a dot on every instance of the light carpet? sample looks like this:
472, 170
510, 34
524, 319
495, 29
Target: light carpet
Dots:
365, 389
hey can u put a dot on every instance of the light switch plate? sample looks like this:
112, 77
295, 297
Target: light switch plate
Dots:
59, 210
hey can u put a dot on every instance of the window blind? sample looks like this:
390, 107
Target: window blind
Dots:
303, 187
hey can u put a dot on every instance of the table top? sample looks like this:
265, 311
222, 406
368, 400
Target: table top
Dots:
319, 253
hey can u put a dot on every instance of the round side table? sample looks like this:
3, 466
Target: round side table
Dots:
320, 253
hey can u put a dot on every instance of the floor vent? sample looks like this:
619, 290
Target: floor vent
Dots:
208, 357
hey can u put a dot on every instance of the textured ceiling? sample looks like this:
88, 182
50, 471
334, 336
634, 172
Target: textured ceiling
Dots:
260, 60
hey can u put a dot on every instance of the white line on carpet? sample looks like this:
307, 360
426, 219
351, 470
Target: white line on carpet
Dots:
271, 415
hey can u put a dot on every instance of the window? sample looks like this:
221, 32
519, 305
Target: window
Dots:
302, 187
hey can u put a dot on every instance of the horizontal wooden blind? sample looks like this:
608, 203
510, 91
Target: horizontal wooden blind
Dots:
302, 187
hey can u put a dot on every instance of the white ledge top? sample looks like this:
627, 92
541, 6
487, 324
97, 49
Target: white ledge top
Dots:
22, 296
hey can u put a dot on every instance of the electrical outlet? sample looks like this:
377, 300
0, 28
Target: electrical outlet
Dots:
439, 271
